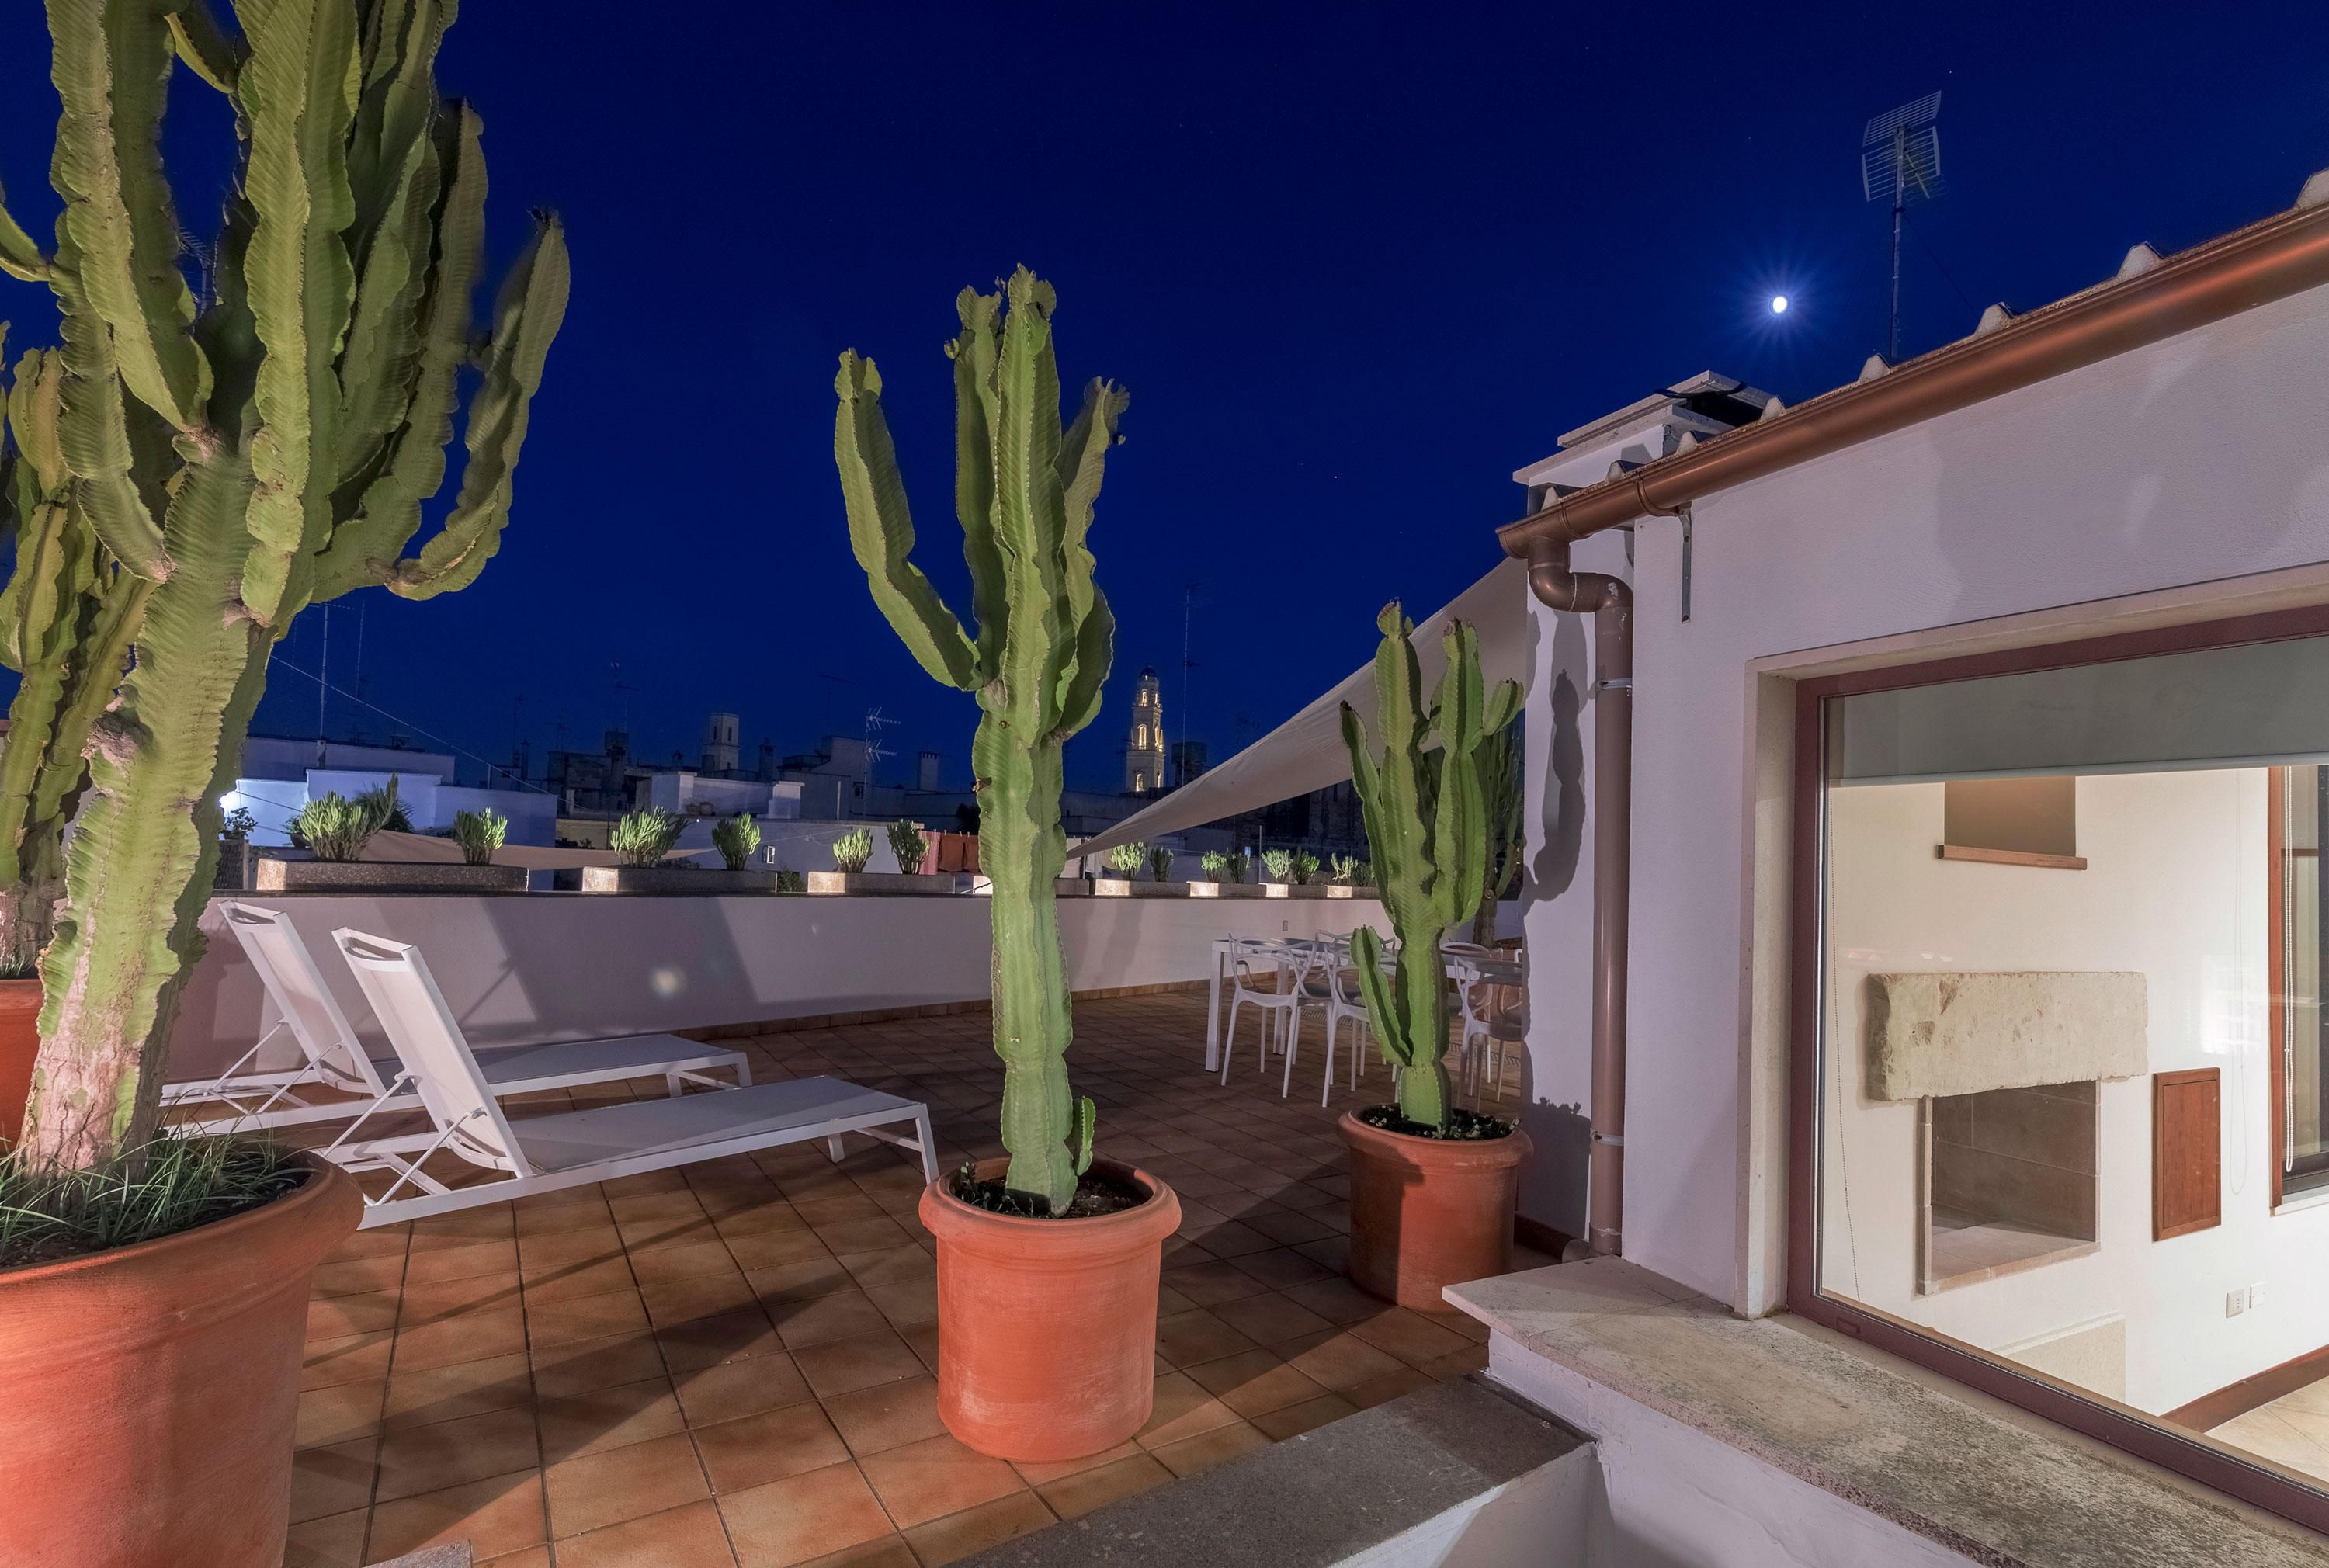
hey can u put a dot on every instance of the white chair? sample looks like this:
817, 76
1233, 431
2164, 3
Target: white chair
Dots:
336, 1059
573, 1148
1495, 1016
1332, 983
1283, 965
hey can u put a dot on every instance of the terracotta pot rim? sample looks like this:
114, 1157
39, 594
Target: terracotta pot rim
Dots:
1083, 1232
293, 1208
1509, 1149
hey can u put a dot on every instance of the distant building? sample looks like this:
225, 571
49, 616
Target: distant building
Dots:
1143, 752
278, 774
1189, 761
720, 751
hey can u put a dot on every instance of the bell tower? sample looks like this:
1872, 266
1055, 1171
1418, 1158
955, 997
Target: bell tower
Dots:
1144, 751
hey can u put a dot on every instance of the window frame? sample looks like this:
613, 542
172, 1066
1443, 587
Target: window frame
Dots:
2277, 988
2147, 1437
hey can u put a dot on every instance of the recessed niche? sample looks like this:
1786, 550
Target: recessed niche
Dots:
2009, 1181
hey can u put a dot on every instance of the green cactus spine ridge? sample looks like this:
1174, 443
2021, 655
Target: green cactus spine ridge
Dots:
223, 462
1024, 490
1427, 831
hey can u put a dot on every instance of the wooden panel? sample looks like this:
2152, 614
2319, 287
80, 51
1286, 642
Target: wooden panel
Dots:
2012, 857
2212, 1410
2275, 948
2186, 1152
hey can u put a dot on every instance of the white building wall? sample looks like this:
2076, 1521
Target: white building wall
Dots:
2198, 460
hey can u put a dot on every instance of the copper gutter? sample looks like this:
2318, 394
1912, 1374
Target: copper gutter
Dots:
2283, 254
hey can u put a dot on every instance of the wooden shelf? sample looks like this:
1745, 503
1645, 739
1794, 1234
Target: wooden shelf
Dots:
2012, 857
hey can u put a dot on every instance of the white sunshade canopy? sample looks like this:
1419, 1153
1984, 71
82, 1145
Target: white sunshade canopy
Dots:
1307, 752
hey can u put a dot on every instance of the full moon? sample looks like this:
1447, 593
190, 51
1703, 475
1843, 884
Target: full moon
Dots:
1778, 304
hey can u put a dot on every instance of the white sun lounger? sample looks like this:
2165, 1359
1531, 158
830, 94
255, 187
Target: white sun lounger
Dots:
573, 1148
335, 1060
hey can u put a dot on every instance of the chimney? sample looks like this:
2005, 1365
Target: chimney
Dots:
926, 772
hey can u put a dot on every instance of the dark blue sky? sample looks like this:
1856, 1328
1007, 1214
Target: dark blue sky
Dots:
1356, 264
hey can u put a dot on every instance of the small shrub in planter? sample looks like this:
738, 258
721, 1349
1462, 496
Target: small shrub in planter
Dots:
333, 828
852, 851
479, 834
791, 881
642, 837
1125, 859
1279, 864
1160, 865
1224, 877
736, 838
907, 843
1304, 867
1350, 872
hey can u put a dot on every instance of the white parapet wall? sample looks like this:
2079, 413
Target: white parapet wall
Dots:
544, 967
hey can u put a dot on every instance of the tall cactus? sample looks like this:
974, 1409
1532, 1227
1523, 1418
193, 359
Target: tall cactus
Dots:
67, 617
1427, 831
250, 453
1023, 491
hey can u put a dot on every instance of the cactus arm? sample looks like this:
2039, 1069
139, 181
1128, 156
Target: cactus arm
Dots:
1031, 511
93, 432
1086, 1123
975, 407
532, 305
111, 66
376, 373
882, 531
209, 49
363, 550
298, 91
1095, 651
1389, 1024
1083, 454
20, 257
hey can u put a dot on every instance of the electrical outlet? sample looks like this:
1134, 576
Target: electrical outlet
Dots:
2236, 1302
2256, 1297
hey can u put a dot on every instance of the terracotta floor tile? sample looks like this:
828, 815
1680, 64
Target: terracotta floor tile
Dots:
1073, 1496
668, 1264
1195, 1455
877, 1233
334, 1541
595, 1243
559, 1217
908, 1304
925, 1480
891, 1266
495, 1516
754, 1449
1336, 1300
841, 1366
838, 1208
886, 1415
564, 1321
1408, 1336
582, 1365
600, 1489
690, 1537
923, 1340
1183, 1410
1039, 1474
1281, 1267
709, 1342
650, 1207
608, 1418
843, 1315
1290, 1226
563, 1281
442, 1298
531, 1558
1390, 1386
389, 1239
439, 1264
1270, 1319
959, 1535
1232, 1238
427, 1394
337, 1316
760, 1219
339, 1414
449, 1453
685, 1300
352, 1359
651, 1234
790, 1522
794, 1278
1295, 1420
1210, 1283
471, 1336
1187, 1339
358, 1276
886, 1552
332, 1480
489, 1222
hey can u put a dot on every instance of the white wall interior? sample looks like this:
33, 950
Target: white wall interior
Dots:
2196, 460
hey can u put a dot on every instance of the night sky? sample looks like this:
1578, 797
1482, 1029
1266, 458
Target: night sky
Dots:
1356, 264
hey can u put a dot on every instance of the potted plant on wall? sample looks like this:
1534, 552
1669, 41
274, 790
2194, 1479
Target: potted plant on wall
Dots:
854, 851
336, 831
1224, 877
234, 459
1432, 1184
1048, 1258
644, 840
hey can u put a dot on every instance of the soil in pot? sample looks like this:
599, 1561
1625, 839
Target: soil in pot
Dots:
1097, 1194
1428, 1212
1047, 1327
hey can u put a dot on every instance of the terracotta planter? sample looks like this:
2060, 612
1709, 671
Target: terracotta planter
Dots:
1428, 1212
19, 1042
1047, 1327
153, 1392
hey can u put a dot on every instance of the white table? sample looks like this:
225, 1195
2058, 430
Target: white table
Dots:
1465, 971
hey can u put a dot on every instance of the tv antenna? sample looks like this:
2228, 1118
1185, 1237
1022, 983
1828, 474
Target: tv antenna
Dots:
1901, 158
874, 750
1188, 603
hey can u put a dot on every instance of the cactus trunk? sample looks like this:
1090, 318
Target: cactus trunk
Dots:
1023, 492
194, 476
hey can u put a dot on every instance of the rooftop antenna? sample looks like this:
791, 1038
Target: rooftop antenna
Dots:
1188, 601
1900, 157
874, 750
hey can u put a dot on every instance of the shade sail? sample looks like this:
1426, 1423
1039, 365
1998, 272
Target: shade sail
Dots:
1307, 752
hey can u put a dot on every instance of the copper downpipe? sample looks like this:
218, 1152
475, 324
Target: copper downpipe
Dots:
2283, 254
1610, 603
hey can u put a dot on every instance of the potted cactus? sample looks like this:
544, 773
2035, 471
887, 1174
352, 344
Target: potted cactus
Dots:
1048, 1258
215, 465
1432, 1184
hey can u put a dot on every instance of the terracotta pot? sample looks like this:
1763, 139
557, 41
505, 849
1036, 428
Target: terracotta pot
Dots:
1047, 1327
152, 1393
1428, 1212
19, 1042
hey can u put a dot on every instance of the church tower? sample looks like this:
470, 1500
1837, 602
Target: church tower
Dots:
1143, 752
